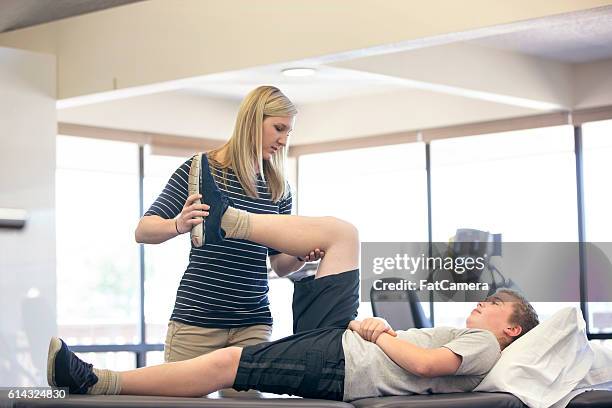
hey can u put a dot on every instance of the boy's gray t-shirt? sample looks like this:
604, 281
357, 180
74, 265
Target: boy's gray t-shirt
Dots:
369, 372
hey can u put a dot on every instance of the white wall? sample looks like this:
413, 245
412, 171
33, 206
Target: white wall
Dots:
593, 84
28, 123
406, 110
175, 113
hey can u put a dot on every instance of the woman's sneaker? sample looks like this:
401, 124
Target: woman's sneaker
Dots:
198, 231
65, 369
218, 202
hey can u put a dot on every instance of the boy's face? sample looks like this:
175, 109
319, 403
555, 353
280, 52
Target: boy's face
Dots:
494, 315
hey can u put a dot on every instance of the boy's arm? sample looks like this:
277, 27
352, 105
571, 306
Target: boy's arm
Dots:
418, 360
370, 328
354, 325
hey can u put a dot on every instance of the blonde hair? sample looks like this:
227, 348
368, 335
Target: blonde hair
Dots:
243, 149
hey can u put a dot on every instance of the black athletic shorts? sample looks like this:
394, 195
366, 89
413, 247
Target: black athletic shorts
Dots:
309, 363
330, 301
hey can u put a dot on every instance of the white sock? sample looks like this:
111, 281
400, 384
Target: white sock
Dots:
236, 223
109, 383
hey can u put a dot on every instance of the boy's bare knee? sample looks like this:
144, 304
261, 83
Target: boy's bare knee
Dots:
338, 232
233, 355
225, 364
226, 357
347, 230
353, 231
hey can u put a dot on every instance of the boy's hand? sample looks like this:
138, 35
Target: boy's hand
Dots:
354, 325
371, 328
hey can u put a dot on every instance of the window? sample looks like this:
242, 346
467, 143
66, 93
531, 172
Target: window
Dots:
118, 361
381, 190
521, 184
165, 263
281, 297
97, 258
597, 165
155, 358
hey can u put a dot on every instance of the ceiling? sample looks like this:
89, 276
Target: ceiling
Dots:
361, 92
328, 83
574, 38
16, 14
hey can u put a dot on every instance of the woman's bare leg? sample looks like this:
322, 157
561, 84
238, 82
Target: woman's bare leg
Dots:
297, 235
190, 378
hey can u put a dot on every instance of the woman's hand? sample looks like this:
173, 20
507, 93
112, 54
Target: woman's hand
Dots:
371, 328
314, 255
190, 214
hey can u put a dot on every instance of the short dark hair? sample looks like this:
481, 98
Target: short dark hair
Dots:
524, 314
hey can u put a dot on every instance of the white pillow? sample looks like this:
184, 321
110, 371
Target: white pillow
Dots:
599, 376
601, 369
546, 364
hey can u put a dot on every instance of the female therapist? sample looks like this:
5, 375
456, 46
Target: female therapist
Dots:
222, 297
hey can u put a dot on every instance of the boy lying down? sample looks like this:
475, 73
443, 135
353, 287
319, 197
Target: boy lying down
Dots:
331, 355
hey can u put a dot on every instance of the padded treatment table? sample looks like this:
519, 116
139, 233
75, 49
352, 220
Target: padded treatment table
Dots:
136, 401
590, 399
455, 400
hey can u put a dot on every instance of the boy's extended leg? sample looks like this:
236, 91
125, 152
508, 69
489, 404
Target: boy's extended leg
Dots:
309, 364
190, 378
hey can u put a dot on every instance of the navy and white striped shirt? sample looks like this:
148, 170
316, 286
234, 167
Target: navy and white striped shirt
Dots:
225, 285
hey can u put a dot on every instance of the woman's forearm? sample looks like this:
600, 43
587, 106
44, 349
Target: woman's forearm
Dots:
284, 264
153, 229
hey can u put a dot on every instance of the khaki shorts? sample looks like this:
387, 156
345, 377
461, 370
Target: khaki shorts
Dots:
184, 341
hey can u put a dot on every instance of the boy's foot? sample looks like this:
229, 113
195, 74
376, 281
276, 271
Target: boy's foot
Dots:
65, 369
218, 202
197, 232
